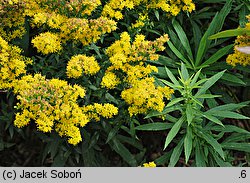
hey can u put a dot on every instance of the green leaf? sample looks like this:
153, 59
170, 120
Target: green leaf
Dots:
229, 129
169, 84
237, 146
199, 155
217, 147
188, 143
231, 33
157, 15
164, 158
218, 160
197, 34
174, 130
237, 137
178, 54
176, 153
154, 126
214, 27
227, 114
123, 152
215, 57
195, 78
190, 114
130, 140
113, 133
171, 76
210, 82
183, 39
229, 107
111, 98
174, 101
208, 96
213, 119
184, 72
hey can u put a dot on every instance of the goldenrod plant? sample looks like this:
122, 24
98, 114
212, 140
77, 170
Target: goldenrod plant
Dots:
88, 82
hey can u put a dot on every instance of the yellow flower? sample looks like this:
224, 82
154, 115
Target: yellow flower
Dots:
104, 110
52, 104
47, 43
12, 64
82, 63
110, 80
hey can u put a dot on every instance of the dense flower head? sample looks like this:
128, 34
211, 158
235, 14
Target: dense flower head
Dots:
47, 43
144, 96
79, 64
12, 19
239, 57
110, 80
51, 104
130, 58
12, 64
114, 8
96, 111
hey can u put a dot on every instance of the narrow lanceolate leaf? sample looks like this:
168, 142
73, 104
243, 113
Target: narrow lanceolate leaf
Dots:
199, 155
154, 126
208, 96
228, 114
215, 57
218, 160
184, 72
229, 128
230, 33
190, 114
178, 54
237, 146
210, 140
195, 78
173, 132
171, 76
210, 82
213, 119
123, 152
174, 101
229, 107
215, 26
188, 143
176, 153
183, 38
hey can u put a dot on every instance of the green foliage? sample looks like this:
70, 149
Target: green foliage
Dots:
195, 124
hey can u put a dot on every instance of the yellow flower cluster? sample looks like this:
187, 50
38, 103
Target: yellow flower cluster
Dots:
12, 64
114, 8
144, 96
12, 20
47, 43
150, 164
70, 26
239, 57
66, 21
83, 7
96, 111
82, 63
51, 104
110, 80
140, 22
130, 59
172, 7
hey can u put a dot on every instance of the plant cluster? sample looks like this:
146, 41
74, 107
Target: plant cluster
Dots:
125, 82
